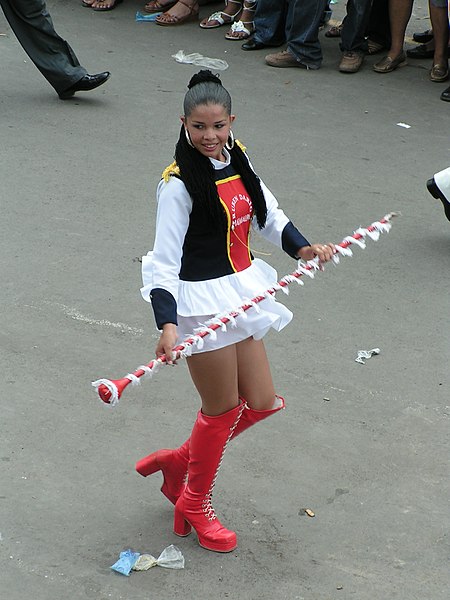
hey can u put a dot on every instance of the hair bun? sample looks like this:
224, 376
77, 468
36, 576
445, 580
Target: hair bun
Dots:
202, 77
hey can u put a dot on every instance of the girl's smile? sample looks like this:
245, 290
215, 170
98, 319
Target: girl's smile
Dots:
208, 127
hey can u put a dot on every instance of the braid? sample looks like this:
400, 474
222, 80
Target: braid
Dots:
251, 183
196, 170
197, 174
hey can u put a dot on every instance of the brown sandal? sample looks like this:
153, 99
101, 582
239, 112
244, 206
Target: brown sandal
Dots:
155, 6
167, 19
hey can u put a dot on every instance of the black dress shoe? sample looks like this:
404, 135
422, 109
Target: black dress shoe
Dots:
252, 44
445, 96
85, 84
423, 37
420, 52
436, 192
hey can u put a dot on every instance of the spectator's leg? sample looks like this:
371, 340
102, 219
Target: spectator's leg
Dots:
379, 28
399, 15
302, 31
353, 36
33, 27
270, 22
439, 23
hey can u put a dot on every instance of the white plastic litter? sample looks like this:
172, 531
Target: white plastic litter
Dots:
200, 61
405, 125
170, 558
363, 355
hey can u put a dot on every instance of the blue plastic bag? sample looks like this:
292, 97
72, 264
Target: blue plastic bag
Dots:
147, 18
126, 562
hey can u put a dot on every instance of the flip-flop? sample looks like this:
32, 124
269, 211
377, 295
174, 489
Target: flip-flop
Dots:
111, 7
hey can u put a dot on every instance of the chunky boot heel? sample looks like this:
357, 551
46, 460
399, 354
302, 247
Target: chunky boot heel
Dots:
172, 464
180, 526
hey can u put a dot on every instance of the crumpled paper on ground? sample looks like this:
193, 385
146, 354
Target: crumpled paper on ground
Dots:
363, 355
170, 558
201, 61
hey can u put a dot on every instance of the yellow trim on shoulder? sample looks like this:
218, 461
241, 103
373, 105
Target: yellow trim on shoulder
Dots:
241, 145
172, 169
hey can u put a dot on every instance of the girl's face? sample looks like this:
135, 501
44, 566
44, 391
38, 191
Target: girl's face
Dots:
209, 126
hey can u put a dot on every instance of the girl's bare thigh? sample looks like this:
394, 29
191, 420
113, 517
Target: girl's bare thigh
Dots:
254, 378
221, 376
215, 376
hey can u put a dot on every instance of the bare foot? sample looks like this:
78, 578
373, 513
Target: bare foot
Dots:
104, 4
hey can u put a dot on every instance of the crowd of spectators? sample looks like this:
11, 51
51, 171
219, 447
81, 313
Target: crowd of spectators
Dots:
369, 27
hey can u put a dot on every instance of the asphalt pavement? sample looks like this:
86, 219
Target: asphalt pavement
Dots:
363, 446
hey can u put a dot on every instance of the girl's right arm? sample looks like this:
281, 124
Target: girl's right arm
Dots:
162, 280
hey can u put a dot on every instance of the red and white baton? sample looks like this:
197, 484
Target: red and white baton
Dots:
110, 390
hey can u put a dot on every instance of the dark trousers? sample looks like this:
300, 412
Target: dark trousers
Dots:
33, 27
365, 18
355, 26
294, 21
379, 28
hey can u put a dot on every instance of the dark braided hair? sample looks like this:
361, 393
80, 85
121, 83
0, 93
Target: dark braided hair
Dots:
196, 170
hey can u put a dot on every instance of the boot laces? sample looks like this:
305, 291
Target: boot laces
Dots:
207, 508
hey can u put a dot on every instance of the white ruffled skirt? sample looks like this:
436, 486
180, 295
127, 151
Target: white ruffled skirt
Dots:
200, 301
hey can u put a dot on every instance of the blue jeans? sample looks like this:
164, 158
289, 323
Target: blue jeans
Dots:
295, 22
355, 26
270, 20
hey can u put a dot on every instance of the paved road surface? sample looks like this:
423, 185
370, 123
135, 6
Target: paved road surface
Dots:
364, 446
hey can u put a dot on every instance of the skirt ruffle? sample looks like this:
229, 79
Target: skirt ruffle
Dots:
200, 301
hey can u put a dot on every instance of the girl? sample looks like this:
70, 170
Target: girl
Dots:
201, 265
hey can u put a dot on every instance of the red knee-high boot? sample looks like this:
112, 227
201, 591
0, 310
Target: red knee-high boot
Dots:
173, 463
250, 416
209, 439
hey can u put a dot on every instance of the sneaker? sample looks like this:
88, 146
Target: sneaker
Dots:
283, 59
351, 62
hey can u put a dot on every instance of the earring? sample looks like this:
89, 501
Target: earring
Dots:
188, 138
230, 141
